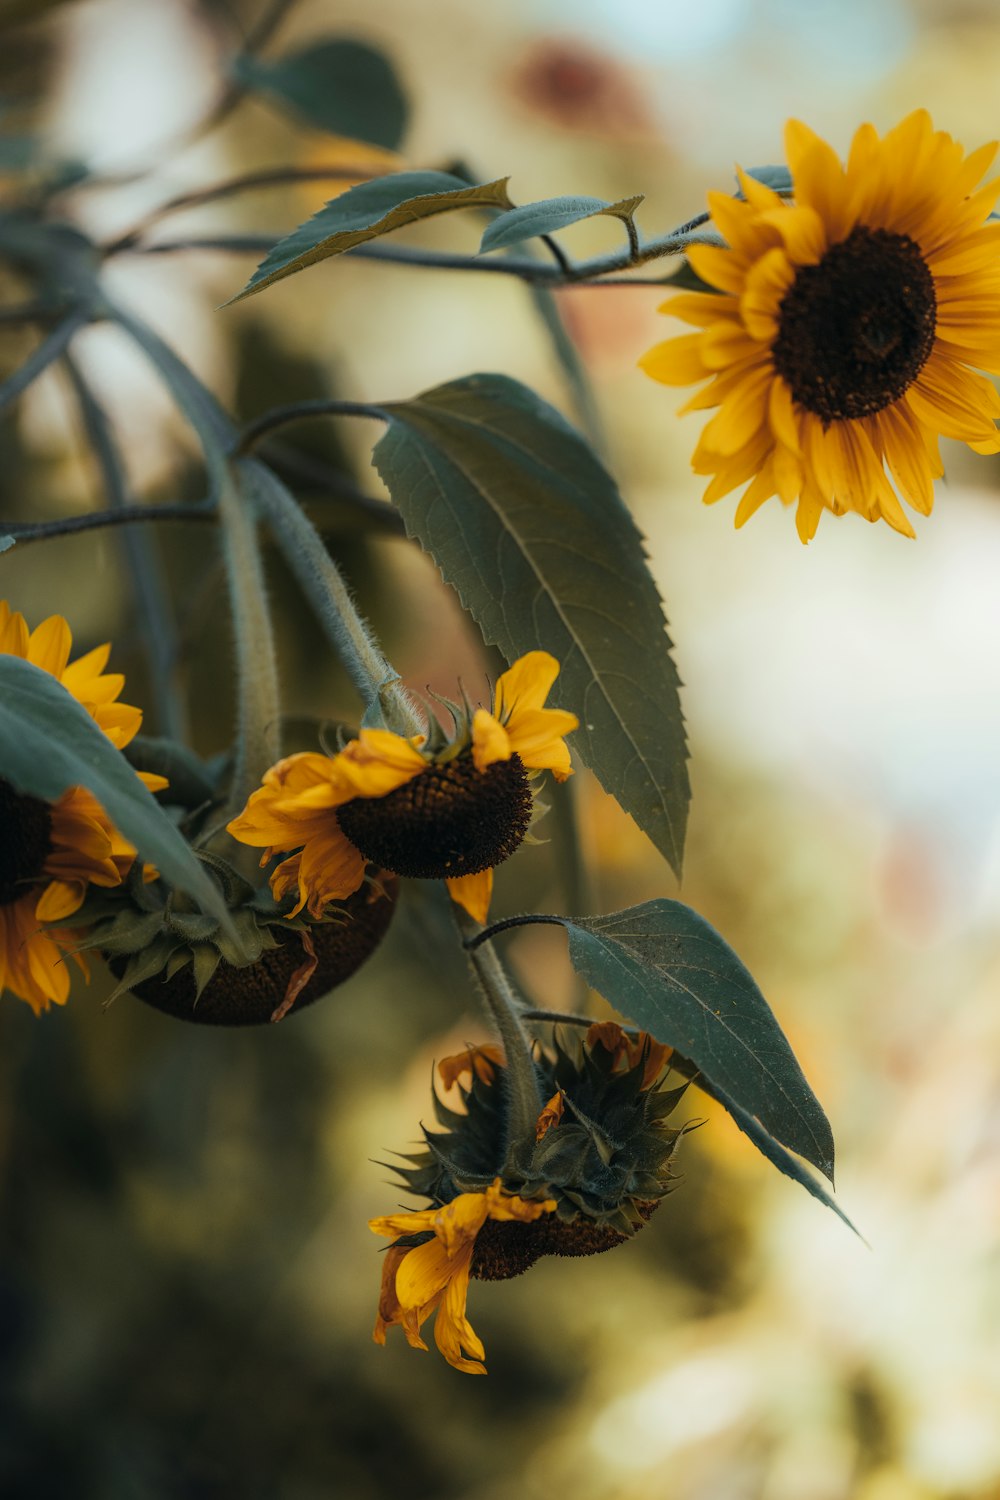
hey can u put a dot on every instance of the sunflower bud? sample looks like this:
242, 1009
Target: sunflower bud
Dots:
593, 1173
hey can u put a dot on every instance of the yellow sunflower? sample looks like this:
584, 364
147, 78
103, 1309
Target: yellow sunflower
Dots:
451, 812
434, 1276
51, 851
848, 320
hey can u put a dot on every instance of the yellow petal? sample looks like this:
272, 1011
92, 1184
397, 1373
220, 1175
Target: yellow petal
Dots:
526, 683
378, 762
490, 741
61, 899
473, 892
49, 645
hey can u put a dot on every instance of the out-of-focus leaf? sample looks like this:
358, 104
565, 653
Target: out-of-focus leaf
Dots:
778, 178
668, 970
340, 85
367, 211
529, 529
545, 217
48, 743
6, 542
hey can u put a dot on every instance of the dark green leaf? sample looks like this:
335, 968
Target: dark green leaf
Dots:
367, 211
345, 87
545, 217
667, 970
49, 743
769, 1148
530, 530
779, 179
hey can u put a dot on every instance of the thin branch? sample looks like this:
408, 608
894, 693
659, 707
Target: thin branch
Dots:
319, 480
38, 531
298, 411
526, 921
51, 347
156, 621
272, 177
31, 312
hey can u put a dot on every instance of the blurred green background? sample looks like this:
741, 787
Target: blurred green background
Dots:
187, 1284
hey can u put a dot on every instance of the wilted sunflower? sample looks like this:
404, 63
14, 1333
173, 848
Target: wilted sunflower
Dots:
51, 851
594, 1169
847, 322
426, 807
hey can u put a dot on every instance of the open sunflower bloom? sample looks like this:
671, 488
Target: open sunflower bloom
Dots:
849, 328
51, 852
449, 812
434, 1276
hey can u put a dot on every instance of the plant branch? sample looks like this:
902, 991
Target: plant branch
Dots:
488, 933
52, 346
298, 411
157, 624
323, 585
249, 182
39, 531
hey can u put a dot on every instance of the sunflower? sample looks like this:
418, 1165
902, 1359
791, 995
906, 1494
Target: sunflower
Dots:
840, 342
51, 851
589, 1174
421, 807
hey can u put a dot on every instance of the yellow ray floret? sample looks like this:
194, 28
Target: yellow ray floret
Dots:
848, 328
77, 843
434, 1276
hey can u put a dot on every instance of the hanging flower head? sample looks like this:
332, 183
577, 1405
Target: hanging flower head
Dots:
52, 851
842, 340
592, 1173
425, 807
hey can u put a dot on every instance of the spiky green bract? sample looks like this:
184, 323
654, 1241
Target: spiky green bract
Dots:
184, 963
607, 1160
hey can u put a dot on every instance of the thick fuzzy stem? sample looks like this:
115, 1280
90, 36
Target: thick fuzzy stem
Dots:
258, 743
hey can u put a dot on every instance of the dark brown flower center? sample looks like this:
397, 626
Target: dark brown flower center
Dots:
506, 1248
25, 841
250, 996
449, 820
856, 329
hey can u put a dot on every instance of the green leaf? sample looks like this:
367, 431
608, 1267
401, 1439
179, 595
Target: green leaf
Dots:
778, 178
667, 970
345, 87
6, 542
768, 1147
531, 532
367, 211
49, 743
548, 215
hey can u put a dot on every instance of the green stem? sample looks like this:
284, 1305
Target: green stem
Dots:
51, 347
148, 587
324, 586
524, 1099
39, 531
300, 411
258, 743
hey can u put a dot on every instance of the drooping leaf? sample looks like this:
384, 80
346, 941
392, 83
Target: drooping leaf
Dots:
769, 1148
529, 529
667, 970
545, 217
367, 211
48, 743
340, 85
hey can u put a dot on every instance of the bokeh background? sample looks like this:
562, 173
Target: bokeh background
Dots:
187, 1284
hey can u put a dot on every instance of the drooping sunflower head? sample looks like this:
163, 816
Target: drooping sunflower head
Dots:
839, 340
429, 807
596, 1169
51, 853
601, 1150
